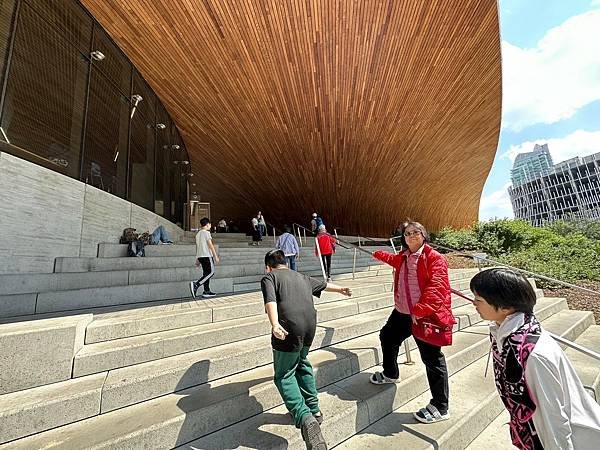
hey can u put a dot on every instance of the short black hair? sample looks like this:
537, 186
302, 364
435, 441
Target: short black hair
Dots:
287, 229
504, 288
275, 258
204, 221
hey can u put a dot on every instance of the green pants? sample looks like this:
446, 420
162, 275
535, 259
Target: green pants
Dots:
296, 383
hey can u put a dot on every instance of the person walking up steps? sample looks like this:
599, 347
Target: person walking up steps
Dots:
206, 256
326, 244
289, 305
288, 244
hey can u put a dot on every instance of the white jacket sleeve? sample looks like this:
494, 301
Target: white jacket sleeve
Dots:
550, 418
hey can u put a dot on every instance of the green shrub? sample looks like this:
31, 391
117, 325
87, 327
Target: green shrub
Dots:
463, 239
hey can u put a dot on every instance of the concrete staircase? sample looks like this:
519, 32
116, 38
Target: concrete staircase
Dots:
166, 373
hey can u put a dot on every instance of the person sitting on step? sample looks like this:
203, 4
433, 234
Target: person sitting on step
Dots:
548, 406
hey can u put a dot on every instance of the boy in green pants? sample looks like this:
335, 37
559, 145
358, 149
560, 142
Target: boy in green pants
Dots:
289, 305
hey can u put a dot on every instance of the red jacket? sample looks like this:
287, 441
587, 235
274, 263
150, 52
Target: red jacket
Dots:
327, 244
432, 274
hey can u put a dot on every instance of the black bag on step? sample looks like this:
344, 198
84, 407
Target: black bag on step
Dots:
136, 248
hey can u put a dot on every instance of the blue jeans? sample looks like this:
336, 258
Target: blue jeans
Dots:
291, 261
160, 235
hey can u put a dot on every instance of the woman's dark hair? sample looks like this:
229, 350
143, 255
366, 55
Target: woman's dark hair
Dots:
504, 288
275, 258
287, 229
402, 228
204, 221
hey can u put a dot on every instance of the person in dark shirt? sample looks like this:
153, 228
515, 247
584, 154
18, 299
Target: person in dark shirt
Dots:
289, 305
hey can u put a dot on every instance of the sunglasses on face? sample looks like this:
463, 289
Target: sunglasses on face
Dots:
412, 233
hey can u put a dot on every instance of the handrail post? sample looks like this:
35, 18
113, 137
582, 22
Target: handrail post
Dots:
299, 236
409, 361
335, 232
354, 264
393, 246
274, 238
320, 258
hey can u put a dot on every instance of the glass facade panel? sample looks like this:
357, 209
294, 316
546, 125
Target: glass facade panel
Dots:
44, 114
69, 19
72, 113
163, 141
115, 65
105, 153
147, 106
141, 161
7, 8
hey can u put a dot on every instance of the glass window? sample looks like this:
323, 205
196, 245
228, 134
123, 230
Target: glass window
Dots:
163, 162
115, 64
44, 114
148, 104
69, 19
6, 19
141, 161
105, 150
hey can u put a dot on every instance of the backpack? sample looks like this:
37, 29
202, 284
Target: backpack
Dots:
136, 248
129, 235
318, 221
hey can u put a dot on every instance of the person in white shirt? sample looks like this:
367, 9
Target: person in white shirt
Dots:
206, 256
549, 407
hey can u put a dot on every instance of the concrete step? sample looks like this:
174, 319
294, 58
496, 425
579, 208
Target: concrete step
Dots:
67, 265
348, 405
472, 409
134, 384
97, 297
49, 282
102, 356
151, 319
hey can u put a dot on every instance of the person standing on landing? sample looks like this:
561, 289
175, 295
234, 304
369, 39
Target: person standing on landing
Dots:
206, 256
326, 244
548, 405
421, 291
288, 244
288, 297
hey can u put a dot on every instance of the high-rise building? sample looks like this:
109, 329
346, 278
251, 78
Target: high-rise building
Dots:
567, 190
528, 166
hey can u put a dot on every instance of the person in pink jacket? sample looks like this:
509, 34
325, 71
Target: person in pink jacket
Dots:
421, 293
326, 244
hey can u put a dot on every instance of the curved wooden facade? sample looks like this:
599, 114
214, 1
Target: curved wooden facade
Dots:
366, 111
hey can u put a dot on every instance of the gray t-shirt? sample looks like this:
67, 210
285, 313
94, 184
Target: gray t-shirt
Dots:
293, 291
202, 238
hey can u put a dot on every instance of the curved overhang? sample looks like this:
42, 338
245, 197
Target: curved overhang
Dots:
365, 111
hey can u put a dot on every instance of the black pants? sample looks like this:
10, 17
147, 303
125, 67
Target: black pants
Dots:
392, 335
327, 264
208, 270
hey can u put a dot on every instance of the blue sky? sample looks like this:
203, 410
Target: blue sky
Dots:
551, 87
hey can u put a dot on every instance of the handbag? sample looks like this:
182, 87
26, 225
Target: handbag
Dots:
424, 329
427, 331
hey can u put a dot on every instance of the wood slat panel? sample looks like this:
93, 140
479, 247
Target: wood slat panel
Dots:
365, 110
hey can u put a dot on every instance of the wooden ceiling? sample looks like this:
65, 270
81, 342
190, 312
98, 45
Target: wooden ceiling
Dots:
367, 111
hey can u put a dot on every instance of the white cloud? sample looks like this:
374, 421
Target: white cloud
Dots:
578, 143
551, 81
496, 205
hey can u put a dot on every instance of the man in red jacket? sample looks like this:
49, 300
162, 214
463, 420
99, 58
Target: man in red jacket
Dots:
421, 291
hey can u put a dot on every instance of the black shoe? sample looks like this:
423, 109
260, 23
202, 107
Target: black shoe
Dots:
311, 433
208, 294
319, 417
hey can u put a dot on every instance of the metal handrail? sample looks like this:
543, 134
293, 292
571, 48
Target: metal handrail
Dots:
478, 257
560, 339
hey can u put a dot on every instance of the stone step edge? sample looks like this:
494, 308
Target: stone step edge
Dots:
332, 428
267, 363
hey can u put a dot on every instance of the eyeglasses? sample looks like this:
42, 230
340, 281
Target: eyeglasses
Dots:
412, 233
